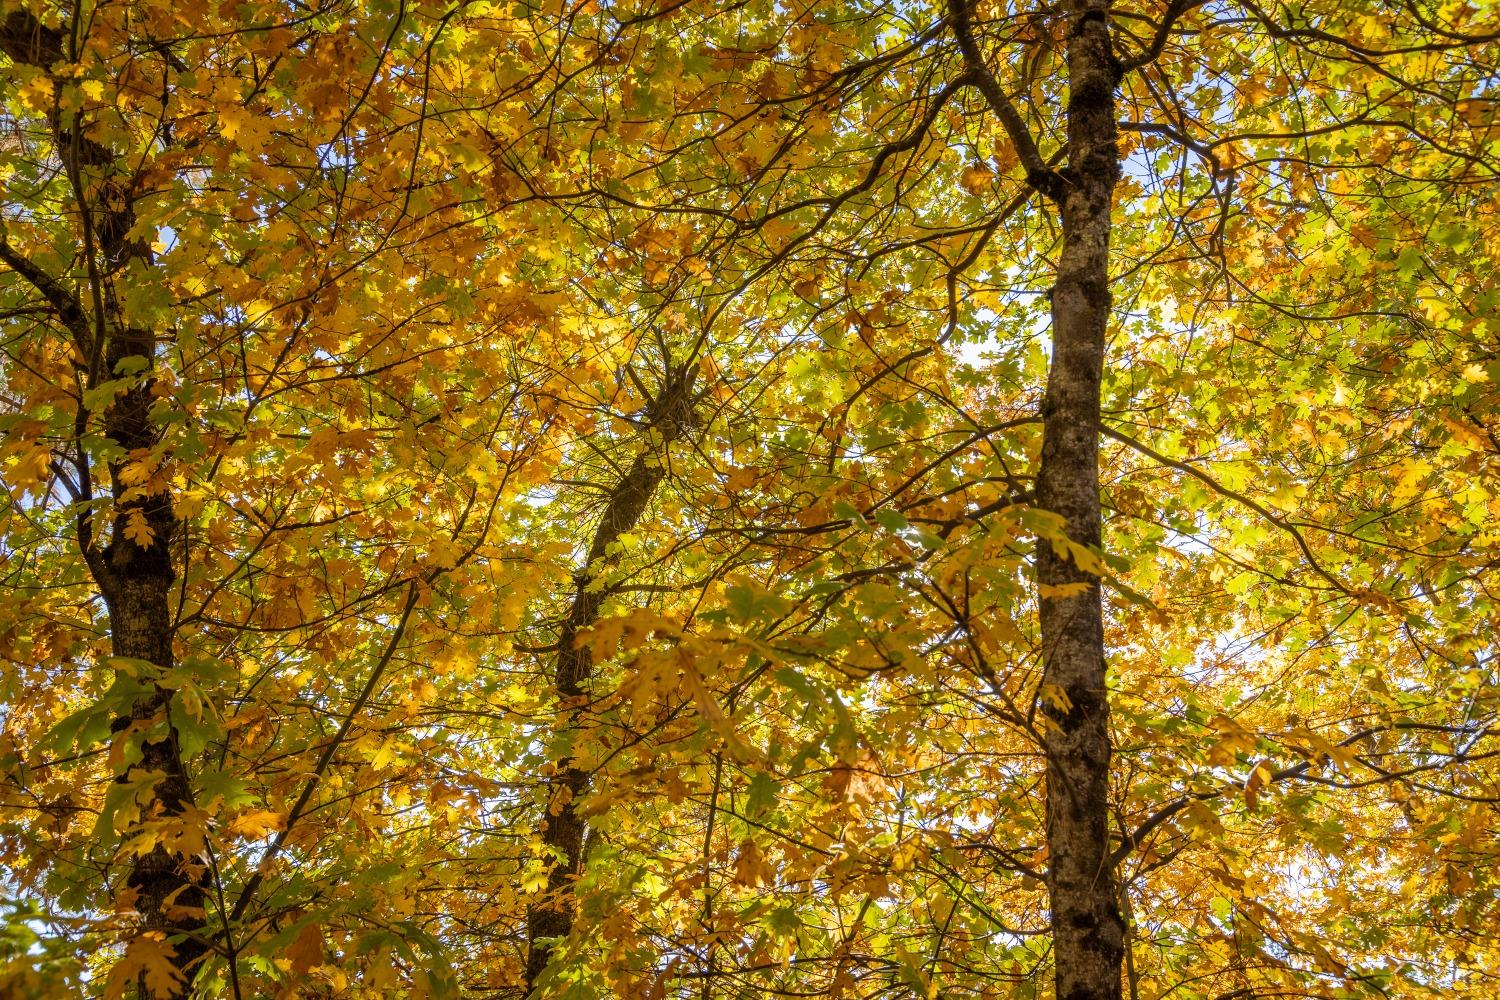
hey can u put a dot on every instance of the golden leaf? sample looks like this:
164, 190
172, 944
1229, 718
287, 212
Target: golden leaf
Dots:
138, 530
148, 958
256, 823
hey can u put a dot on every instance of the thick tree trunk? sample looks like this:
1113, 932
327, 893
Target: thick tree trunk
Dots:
1088, 934
565, 833
134, 571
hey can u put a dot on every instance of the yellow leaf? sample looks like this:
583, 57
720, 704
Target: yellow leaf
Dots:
750, 867
136, 473
138, 530
306, 952
445, 552
1056, 697
384, 755
256, 823
708, 707
1062, 590
1083, 557
33, 467
1234, 740
1201, 820
231, 120
1260, 775
976, 179
148, 958
36, 92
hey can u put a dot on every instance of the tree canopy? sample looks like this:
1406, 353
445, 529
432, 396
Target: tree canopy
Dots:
720, 499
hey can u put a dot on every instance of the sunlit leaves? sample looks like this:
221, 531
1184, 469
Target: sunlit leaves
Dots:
414, 275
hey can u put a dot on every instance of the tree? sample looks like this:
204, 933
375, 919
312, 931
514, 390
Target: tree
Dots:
739, 499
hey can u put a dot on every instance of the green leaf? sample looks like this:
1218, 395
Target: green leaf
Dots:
761, 795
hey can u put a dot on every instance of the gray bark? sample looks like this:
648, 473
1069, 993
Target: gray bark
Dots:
1088, 933
1087, 930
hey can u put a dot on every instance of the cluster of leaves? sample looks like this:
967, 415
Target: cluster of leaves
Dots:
702, 344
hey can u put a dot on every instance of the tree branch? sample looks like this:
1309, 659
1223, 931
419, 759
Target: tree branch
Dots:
253, 884
1038, 174
1169, 17
67, 308
1237, 497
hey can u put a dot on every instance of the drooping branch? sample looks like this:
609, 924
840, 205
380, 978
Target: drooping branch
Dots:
1164, 28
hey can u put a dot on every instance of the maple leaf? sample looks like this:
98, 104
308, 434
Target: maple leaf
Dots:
1234, 740
138, 530
306, 950
253, 824
394, 327
976, 179
147, 959
750, 866
1259, 776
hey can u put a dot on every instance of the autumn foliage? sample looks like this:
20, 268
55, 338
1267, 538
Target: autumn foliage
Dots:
701, 499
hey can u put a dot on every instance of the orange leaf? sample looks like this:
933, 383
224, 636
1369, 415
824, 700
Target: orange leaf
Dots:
1260, 775
256, 823
976, 179
306, 952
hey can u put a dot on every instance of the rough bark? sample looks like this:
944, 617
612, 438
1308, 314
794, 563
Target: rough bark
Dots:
134, 574
1087, 930
565, 833
136, 582
1088, 933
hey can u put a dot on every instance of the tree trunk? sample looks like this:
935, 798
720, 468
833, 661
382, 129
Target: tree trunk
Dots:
565, 833
1088, 934
136, 581
134, 570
